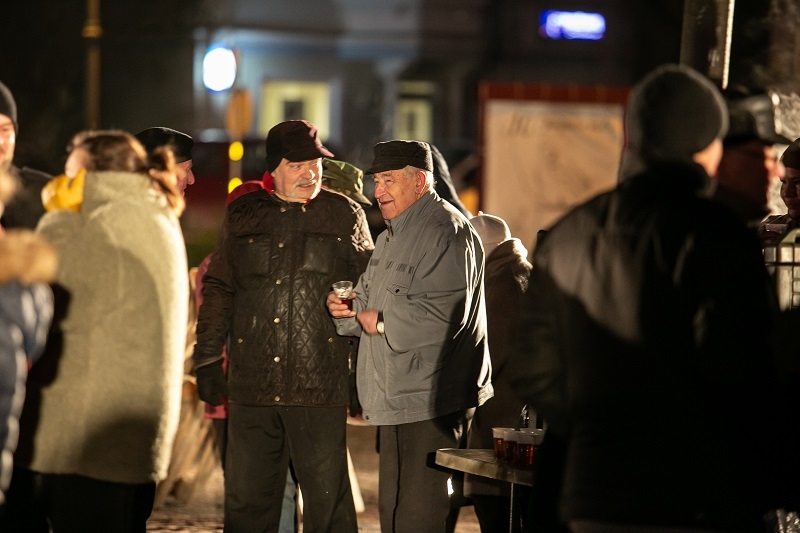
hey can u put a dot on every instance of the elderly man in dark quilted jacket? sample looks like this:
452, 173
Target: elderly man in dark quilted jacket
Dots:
279, 251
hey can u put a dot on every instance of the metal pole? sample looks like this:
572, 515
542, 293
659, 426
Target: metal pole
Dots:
706, 38
92, 32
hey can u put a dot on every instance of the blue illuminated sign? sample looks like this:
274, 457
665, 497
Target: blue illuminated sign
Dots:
572, 25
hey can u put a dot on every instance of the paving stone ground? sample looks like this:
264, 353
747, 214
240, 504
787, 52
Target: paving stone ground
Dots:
204, 513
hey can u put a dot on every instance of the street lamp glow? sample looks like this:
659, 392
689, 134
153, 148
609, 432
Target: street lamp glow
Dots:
219, 68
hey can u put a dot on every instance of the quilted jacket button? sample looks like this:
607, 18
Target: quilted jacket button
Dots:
240, 341
330, 340
277, 282
250, 240
277, 398
283, 209
276, 320
280, 245
277, 359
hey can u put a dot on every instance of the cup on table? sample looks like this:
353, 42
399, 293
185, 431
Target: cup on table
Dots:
528, 441
343, 290
510, 451
498, 437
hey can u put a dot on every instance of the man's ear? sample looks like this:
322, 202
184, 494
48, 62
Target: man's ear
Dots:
419, 182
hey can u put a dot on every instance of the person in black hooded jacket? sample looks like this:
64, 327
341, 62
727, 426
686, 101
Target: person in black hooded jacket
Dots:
643, 337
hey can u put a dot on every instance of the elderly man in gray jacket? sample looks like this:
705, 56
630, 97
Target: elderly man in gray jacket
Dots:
423, 362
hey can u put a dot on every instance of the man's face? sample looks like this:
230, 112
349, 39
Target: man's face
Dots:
790, 191
396, 190
8, 141
298, 181
185, 175
749, 169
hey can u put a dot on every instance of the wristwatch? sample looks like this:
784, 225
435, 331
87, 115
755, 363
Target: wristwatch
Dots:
379, 325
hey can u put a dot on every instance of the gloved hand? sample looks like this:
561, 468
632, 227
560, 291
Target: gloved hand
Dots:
212, 387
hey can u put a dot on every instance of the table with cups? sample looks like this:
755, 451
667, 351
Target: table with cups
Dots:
511, 460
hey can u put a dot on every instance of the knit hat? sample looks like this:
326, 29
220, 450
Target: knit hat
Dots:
394, 155
180, 143
791, 156
294, 140
8, 106
492, 230
673, 113
344, 178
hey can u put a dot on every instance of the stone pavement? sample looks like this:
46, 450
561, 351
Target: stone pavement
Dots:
204, 513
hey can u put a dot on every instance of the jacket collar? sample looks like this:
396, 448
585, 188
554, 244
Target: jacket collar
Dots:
410, 215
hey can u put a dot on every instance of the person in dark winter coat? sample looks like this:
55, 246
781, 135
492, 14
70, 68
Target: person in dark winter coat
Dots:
443, 183
279, 251
25, 208
750, 164
643, 335
27, 264
507, 271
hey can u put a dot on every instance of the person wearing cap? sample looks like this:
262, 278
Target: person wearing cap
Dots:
749, 165
774, 227
344, 178
25, 208
279, 251
423, 361
643, 337
181, 145
507, 271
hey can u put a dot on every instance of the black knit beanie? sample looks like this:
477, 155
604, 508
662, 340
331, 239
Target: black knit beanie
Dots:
8, 106
673, 113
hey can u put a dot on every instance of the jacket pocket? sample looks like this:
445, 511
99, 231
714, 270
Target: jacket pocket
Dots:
252, 253
319, 253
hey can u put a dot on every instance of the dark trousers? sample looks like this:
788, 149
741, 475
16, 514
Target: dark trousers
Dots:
261, 442
412, 490
76, 504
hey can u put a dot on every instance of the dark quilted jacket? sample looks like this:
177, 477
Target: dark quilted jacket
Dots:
265, 289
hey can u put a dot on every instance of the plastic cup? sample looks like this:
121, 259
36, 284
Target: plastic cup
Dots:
498, 437
510, 452
526, 448
342, 290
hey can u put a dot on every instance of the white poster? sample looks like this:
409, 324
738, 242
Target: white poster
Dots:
542, 158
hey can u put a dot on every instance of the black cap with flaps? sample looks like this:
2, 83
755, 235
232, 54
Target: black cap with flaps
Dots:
394, 155
294, 140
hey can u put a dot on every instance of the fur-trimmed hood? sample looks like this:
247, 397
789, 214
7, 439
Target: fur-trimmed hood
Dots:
26, 257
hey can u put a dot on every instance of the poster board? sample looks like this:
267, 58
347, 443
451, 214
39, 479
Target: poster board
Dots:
544, 149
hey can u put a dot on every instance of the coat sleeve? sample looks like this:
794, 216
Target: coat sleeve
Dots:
535, 366
214, 316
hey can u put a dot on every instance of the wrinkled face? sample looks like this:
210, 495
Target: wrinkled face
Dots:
8, 141
185, 176
396, 190
77, 160
298, 181
790, 191
749, 169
